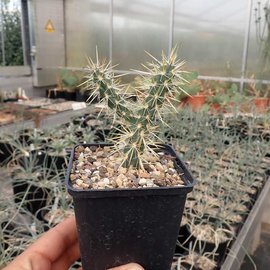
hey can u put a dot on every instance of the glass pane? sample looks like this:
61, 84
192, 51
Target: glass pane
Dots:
258, 64
139, 26
11, 48
210, 34
87, 27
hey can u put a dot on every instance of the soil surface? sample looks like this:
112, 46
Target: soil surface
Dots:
100, 168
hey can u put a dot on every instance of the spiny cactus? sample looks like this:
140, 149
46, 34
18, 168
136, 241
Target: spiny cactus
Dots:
160, 84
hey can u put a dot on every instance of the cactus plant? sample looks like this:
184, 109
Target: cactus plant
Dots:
159, 84
128, 187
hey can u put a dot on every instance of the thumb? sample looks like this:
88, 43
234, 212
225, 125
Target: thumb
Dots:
130, 266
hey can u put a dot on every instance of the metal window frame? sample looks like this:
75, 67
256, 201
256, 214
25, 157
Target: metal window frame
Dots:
242, 79
2, 34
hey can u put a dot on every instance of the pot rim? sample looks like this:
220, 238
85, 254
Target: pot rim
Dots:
126, 192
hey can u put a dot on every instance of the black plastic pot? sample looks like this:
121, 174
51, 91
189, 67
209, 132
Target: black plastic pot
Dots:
31, 197
34, 200
81, 97
186, 266
183, 238
6, 151
11, 100
118, 226
84, 97
189, 241
55, 94
102, 134
57, 162
70, 96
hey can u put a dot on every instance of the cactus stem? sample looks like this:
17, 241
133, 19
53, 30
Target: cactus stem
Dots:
161, 81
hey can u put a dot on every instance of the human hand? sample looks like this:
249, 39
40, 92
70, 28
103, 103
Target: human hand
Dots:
57, 249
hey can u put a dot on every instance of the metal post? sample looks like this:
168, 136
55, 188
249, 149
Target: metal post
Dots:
171, 26
2, 34
23, 31
65, 32
245, 47
111, 31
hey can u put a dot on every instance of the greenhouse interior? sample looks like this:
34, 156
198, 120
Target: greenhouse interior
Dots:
150, 155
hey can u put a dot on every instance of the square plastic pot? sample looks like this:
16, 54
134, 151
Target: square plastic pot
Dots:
119, 226
70, 96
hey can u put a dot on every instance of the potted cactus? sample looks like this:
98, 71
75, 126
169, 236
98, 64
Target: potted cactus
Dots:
260, 96
129, 195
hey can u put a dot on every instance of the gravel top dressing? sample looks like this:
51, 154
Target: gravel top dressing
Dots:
100, 168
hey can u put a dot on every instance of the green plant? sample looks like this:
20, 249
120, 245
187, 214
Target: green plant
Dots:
70, 140
256, 89
227, 95
36, 138
69, 80
26, 144
15, 233
58, 147
88, 135
159, 84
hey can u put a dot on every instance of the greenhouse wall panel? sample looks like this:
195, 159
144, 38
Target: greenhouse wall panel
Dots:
87, 27
139, 26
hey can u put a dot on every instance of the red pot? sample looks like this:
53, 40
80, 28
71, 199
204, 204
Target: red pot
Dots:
261, 104
215, 108
196, 102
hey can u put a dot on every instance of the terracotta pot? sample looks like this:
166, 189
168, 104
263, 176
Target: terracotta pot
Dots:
261, 104
196, 102
215, 108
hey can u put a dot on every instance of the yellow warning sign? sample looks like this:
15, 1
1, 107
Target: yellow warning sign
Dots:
49, 27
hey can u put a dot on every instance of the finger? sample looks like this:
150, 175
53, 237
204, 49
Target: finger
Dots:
54, 243
29, 262
130, 266
68, 258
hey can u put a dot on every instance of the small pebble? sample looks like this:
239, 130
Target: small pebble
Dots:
80, 149
144, 174
171, 171
72, 177
79, 182
93, 148
97, 163
91, 159
87, 150
142, 182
